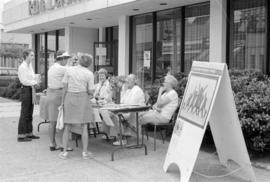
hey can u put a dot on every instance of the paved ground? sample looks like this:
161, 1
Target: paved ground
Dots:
27, 162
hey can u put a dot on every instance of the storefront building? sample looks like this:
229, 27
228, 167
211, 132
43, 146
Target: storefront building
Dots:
146, 37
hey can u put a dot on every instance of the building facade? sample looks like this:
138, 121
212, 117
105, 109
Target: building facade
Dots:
11, 46
146, 37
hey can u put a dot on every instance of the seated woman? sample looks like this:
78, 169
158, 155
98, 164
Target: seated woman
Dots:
103, 92
165, 105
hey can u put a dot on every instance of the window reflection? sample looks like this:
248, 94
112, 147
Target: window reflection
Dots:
142, 48
196, 34
168, 58
248, 35
41, 58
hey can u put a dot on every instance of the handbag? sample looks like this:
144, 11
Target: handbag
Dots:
60, 118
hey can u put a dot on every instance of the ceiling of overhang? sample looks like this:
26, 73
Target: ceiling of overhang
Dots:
107, 17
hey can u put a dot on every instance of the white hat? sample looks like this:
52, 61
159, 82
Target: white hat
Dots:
62, 54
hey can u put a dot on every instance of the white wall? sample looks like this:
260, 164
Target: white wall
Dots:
81, 39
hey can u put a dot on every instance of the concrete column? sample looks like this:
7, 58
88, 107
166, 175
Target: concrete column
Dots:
101, 34
123, 45
218, 26
68, 39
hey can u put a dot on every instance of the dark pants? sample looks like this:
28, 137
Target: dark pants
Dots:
25, 127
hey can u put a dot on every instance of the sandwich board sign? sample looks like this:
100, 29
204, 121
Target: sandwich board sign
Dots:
209, 98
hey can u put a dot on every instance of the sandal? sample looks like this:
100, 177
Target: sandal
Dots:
54, 148
87, 155
63, 155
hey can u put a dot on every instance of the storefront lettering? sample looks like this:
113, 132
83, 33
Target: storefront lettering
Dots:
39, 6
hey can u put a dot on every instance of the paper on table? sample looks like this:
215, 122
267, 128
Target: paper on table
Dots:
106, 117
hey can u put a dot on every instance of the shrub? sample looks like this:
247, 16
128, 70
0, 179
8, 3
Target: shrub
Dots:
252, 99
251, 90
12, 90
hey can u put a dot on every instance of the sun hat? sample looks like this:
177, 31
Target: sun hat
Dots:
62, 54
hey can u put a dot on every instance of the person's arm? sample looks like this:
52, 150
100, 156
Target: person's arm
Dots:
161, 101
91, 86
65, 88
64, 93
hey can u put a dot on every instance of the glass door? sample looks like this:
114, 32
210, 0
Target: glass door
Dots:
105, 56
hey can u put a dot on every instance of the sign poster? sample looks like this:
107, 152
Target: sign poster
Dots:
198, 98
209, 98
146, 59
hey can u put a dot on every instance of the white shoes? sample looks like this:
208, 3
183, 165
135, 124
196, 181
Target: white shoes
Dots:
63, 155
117, 143
105, 138
87, 155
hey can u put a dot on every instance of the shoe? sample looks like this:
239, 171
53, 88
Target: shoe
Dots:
33, 137
109, 137
87, 155
117, 143
69, 149
25, 139
63, 155
54, 148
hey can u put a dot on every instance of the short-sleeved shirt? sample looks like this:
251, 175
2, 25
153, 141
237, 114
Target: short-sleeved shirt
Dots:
103, 90
133, 96
55, 76
168, 109
79, 79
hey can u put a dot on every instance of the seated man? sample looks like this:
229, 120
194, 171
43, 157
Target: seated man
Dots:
165, 105
133, 95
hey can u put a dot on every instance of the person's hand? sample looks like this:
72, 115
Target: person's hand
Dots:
37, 86
156, 108
161, 89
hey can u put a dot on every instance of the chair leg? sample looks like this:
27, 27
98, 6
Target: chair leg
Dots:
142, 133
155, 130
76, 140
162, 137
146, 132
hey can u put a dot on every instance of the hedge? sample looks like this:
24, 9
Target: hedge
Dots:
251, 91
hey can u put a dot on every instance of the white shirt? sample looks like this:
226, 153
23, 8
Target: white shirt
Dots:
55, 76
168, 109
133, 96
103, 91
26, 74
79, 79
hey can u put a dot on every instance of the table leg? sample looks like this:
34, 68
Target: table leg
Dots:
138, 145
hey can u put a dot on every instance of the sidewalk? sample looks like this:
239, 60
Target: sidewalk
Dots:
27, 162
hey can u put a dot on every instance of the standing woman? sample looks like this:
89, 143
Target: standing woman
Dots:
78, 88
54, 93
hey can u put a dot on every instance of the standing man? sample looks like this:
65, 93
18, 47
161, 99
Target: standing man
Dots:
27, 78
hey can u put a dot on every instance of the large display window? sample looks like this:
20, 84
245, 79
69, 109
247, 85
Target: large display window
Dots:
247, 47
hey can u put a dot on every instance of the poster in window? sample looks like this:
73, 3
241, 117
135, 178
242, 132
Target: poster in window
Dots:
198, 98
146, 58
101, 56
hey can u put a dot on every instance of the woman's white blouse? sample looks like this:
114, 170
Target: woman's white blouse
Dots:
79, 79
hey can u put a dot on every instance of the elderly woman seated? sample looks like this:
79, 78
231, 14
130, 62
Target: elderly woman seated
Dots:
133, 94
165, 105
103, 91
